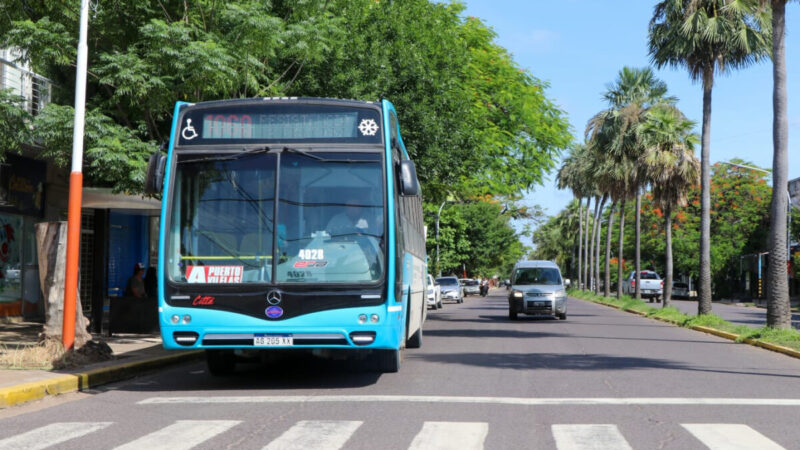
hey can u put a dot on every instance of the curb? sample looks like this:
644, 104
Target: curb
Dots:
708, 330
80, 381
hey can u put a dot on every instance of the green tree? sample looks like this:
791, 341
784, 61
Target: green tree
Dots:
614, 131
779, 314
672, 169
707, 37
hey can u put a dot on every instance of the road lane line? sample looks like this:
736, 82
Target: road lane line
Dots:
181, 435
450, 436
474, 400
315, 434
589, 437
50, 435
728, 436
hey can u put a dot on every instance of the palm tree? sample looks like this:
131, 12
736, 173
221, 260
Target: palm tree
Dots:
615, 129
570, 176
779, 313
672, 169
707, 37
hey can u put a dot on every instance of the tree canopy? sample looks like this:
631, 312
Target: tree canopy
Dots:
473, 120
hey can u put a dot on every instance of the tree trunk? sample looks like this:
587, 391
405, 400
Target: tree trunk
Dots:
591, 244
580, 242
586, 245
620, 259
596, 267
779, 313
51, 246
607, 280
637, 264
667, 296
704, 288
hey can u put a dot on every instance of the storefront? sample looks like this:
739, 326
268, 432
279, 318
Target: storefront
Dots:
22, 204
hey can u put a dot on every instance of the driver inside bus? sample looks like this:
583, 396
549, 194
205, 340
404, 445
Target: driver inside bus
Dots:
357, 218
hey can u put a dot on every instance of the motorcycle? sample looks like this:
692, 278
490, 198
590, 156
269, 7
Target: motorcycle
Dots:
484, 290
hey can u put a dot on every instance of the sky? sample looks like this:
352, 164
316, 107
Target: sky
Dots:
579, 47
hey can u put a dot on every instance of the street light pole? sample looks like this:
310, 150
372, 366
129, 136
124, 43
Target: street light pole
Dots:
75, 187
438, 214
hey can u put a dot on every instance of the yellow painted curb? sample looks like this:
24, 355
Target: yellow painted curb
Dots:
35, 390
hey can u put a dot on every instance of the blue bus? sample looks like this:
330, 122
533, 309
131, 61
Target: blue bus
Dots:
289, 223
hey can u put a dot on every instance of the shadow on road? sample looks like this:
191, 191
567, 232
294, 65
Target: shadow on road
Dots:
583, 362
478, 333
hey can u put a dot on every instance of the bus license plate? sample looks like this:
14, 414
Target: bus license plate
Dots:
272, 340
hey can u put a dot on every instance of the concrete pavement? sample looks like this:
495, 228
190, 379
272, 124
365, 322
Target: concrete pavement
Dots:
132, 355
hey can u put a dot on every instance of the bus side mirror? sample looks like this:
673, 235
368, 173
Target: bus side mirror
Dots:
154, 179
409, 185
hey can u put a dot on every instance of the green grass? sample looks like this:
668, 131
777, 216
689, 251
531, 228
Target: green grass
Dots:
786, 338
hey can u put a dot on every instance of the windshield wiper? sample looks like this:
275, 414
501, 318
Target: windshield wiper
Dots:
319, 158
242, 154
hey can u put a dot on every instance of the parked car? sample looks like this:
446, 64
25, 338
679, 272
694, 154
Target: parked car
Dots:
652, 285
451, 289
471, 287
537, 288
434, 293
680, 290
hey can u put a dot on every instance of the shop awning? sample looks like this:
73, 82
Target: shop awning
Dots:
104, 198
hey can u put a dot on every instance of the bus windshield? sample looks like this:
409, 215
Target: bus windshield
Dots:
330, 226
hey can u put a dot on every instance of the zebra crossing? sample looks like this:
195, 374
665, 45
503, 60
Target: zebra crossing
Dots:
334, 434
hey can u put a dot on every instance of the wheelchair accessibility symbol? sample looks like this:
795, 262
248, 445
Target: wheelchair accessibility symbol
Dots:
189, 132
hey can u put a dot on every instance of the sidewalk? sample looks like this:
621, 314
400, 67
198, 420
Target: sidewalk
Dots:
132, 355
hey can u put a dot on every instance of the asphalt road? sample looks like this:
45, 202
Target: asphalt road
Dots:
601, 379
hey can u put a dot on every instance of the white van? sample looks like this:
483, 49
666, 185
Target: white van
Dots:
537, 288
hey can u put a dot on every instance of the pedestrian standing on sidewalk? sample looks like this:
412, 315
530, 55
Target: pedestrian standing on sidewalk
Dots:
135, 285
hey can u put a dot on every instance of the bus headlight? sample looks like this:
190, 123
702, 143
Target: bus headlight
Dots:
362, 318
175, 319
374, 318
187, 318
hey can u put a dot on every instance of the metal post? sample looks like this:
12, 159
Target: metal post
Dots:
438, 214
75, 187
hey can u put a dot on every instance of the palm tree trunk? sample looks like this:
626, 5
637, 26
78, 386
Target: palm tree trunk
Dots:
620, 260
778, 307
580, 241
591, 244
704, 289
607, 281
586, 245
596, 267
668, 256
638, 250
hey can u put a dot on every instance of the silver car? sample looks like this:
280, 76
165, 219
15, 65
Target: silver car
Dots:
451, 289
537, 288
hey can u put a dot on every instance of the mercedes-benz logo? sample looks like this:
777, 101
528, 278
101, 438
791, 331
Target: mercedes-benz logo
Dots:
274, 297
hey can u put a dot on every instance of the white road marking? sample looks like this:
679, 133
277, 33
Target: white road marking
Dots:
315, 434
728, 436
474, 400
183, 434
451, 436
589, 437
50, 435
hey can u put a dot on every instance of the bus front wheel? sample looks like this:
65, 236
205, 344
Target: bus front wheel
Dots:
388, 360
221, 362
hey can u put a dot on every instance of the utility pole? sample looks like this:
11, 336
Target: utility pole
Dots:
438, 214
75, 187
